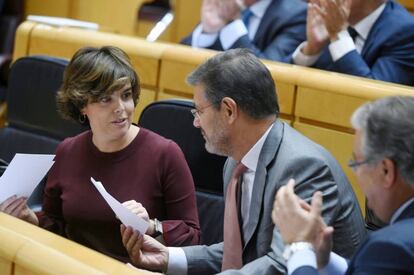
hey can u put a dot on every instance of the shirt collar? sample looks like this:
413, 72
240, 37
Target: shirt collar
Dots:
397, 213
364, 26
259, 8
251, 159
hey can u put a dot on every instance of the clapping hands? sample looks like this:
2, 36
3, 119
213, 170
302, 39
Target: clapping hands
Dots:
215, 14
326, 18
298, 221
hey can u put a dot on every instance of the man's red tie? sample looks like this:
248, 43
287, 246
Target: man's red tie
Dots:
232, 251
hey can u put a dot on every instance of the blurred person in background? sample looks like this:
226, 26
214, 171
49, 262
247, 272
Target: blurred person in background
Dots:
271, 29
367, 38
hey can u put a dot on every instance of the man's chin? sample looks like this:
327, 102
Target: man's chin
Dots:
213, 150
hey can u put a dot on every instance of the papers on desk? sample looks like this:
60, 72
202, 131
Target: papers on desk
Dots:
124, 214
23, 174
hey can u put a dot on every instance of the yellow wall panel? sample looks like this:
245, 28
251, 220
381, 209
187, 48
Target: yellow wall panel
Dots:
173, 75
186, 18
22, 39
285, 77
325, 106
176, 63
163, 96
147, 96
59, 8
408, 4
64, 42
286, 94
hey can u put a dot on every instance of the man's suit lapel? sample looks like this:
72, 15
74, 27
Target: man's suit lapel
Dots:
377, 32
262, 30
407, 212
369, 51
267, 155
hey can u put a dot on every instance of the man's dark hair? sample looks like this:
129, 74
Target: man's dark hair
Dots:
240, 75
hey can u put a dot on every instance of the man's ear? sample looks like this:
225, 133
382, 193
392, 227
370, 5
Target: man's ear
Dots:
230, 109
388, 172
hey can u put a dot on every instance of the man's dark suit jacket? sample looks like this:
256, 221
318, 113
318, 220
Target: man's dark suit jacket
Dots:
388, 52
388, 251
282, 29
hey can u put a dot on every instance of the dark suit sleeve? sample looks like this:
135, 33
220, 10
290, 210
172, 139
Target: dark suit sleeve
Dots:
383, 257
388, 53
187, 40
395, 66
280, 47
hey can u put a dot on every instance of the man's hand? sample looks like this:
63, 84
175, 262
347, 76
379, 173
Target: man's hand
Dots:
316, 32
18, 208
141, 212
323, 241
298, 221
323, 246
215, 14
211, 20
335, 14
295, 223
144, 251
229, 10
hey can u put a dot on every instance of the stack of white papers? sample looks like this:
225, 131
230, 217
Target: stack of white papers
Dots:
23, 174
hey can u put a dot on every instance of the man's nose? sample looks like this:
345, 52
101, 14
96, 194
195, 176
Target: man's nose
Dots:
196, 122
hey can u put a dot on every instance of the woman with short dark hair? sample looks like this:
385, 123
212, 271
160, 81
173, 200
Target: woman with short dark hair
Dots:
146, 171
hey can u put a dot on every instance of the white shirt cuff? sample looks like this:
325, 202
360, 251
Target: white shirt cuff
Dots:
336, 266
231, 33
342, 46
202, 40
303, 257
177, 261
300, 58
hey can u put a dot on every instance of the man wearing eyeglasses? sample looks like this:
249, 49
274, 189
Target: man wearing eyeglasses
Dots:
383, 163
237, 113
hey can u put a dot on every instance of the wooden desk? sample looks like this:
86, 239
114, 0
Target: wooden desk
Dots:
28, 249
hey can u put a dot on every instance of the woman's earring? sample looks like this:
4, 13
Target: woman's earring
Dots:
82, 118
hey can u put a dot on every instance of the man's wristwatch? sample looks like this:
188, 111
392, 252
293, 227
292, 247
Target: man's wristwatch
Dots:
293, 247
157, 228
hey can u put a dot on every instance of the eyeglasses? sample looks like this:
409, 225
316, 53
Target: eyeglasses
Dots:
196, 112
354, 164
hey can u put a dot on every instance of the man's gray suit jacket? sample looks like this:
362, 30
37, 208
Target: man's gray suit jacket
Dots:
286, 154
